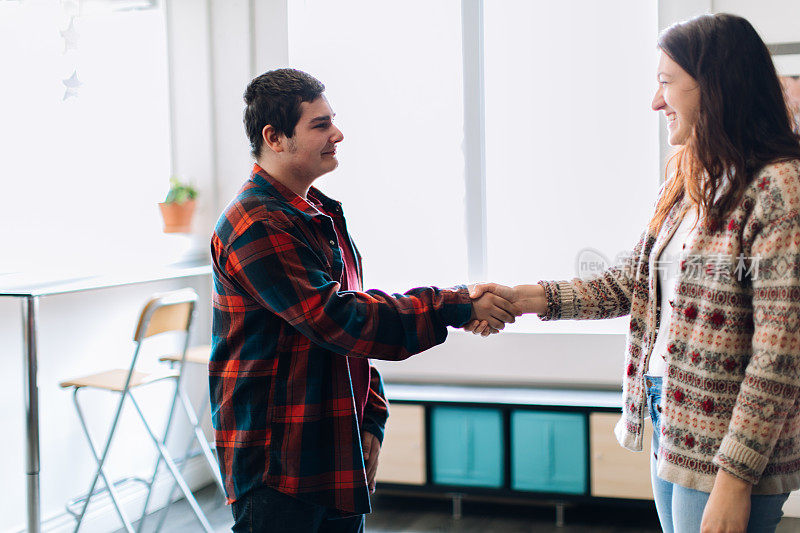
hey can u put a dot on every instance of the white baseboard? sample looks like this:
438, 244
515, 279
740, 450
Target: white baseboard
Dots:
101, 516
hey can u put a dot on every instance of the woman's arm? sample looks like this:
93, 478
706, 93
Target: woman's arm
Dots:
607, 295
530, 299
769, 391
728, 506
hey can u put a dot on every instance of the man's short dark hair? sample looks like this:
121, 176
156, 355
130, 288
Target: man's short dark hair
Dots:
274, 98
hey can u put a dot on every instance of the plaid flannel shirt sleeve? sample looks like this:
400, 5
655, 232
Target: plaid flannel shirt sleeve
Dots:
274, 263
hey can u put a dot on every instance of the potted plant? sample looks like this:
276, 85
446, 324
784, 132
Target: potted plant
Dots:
178, 208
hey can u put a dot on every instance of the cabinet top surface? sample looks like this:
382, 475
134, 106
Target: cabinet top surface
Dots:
503, 395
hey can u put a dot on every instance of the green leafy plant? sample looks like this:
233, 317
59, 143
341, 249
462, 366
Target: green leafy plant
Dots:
179, 192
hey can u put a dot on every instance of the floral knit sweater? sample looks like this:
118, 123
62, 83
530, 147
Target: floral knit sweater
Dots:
730, 391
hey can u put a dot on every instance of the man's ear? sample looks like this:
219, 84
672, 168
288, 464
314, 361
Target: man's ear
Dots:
272, 139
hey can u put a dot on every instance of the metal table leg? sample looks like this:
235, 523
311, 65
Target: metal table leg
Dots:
559, 514
456, 498
30, 307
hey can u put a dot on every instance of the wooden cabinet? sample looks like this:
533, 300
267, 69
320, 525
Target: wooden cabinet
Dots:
533, 443
467, 446
402, 458
616, 471
548, 452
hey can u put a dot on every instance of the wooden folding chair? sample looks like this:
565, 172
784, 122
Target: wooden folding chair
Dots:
167, 312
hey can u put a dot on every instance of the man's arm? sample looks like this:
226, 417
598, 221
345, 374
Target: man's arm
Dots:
272, 262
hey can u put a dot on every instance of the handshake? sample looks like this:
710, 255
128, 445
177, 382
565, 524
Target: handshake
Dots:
494, 306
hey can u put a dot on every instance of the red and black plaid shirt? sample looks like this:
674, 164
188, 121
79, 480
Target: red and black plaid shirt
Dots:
281, 393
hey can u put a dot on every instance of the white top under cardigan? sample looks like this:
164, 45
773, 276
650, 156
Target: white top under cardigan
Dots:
669, 265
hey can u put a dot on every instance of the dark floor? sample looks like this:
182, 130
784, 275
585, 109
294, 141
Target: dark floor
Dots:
401, 514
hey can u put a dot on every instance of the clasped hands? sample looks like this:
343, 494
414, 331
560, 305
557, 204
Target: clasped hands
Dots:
495, 305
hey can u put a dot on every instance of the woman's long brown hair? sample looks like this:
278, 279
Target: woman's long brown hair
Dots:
744, 121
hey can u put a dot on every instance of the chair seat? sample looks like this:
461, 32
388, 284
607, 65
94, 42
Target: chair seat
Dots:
114, 380
196, 354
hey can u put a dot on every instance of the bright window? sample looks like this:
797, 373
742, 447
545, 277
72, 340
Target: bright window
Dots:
392, 73
571, 141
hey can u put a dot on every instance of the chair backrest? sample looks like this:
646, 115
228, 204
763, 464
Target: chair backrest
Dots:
169, 311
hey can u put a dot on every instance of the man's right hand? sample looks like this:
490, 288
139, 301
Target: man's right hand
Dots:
526, 299
493, 307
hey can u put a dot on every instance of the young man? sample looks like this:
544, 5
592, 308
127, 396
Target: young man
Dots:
298, 409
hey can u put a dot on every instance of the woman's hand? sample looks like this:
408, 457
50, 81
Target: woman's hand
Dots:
728, 507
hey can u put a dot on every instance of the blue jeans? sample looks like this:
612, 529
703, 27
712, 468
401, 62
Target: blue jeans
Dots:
265, 510
689, 504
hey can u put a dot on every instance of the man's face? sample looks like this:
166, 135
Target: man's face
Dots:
311, 151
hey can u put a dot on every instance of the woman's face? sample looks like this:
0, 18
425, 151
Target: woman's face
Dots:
678, 96
791, 86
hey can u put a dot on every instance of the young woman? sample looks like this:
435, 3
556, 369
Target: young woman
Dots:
713, 352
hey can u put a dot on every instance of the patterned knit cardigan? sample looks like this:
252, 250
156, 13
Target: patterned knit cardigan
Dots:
730, 391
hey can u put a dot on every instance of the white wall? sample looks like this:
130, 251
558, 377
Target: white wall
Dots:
775, 20
216, 48
516, 359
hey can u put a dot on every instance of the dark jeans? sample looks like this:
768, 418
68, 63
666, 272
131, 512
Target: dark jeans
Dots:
265, 510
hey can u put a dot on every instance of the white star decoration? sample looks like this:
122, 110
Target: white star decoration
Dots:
70, 36
70, 7
72, 84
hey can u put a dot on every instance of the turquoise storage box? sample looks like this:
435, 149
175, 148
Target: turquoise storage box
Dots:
467, 446
548, 452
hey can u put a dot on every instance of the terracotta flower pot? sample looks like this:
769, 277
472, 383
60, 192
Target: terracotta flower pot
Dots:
177, 217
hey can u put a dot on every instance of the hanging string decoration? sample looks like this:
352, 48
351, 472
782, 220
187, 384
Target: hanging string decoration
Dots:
70, 35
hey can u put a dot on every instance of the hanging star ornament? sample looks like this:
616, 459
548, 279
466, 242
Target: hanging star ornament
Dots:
70, 36
72, 84
70, 7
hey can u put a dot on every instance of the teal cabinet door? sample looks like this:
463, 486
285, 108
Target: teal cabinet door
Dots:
548, 452
467, 446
